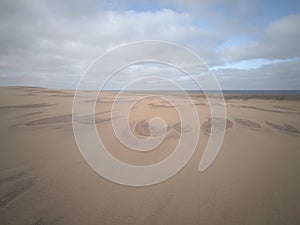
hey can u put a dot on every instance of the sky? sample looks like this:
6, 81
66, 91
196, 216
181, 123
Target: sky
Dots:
248, 45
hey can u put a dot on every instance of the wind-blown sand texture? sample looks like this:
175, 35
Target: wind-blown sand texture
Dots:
255, 179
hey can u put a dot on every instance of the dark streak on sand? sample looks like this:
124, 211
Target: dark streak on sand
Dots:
111, 101
31, 114
30, 94
248, 123
267, 110
67, 118
285, 127
26, 106
13, 177
53, 92
49, 120
161, 105
45, 221
62, 95
21, 183
293, 97
18, 189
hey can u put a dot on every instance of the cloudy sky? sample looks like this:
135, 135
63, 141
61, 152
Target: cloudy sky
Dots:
247, 44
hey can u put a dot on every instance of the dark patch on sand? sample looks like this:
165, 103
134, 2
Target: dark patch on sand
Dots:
268, 110
90, 121
184, 129
156, 212
161, 105
16, 184
16, 191
248, 123
49, 120
285, 127
142, 128
62, 95
112, 101
246, 97
26, 106
67, 118
45, 221
200, 103
219, 124
115, 101
54, 92
30, 94
32, 114
13, 177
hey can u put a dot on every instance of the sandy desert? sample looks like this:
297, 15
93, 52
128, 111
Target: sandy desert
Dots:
44, 179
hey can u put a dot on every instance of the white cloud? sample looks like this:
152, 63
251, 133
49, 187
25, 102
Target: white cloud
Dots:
44, 43
279, 41
281, 75
51, 43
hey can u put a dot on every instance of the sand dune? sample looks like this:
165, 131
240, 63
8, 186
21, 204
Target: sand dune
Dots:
44, 179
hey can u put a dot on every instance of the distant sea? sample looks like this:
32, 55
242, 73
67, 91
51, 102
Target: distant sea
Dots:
254, 92
251, 92
262, 92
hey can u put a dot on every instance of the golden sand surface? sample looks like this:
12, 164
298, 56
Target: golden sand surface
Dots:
44, 179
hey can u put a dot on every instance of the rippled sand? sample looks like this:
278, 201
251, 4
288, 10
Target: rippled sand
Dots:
255, 179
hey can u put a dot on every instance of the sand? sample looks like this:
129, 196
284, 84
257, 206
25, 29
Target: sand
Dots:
44, 179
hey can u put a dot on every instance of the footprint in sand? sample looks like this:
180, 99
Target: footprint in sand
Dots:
248, 123
218, 125
285, 127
